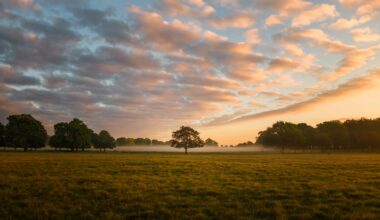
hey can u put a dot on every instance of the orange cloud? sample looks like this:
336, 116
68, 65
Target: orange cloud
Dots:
252, 36
342, 23
316, 14
354, 85
273, 20
365, 35
234, 21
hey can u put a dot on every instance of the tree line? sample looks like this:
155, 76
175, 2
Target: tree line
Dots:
123, 141
362, 134
26, 132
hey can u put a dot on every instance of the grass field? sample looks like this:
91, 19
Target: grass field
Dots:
42, 185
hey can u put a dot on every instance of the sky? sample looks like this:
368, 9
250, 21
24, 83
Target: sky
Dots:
229, 68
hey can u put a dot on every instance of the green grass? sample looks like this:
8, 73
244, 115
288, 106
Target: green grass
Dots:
199, 186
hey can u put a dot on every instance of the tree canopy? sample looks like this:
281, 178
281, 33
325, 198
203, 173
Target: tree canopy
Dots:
2, 135
245, 144
362, 134
210, 142
103, 140
24, 131
186, 137
73, 135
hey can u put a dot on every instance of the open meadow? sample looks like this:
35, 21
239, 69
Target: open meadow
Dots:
41, 185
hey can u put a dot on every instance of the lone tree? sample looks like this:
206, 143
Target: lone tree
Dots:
24, 131
103, 140
186, 137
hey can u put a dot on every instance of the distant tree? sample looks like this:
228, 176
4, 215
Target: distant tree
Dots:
157, 142
143, 141
210, 142
322, 140
74, 135
61, 137
309, 135
281, 134
245, 144
363, 133
79, 135
24, 131
337, 133
123, 141
103, 140
186, 137
2, 135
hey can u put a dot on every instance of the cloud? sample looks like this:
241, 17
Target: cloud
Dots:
24, 4
352, 61
364, 7
234, 21
281, 64
9, 76
316, 37
273, 20
351, 86
342, 23
253, 36
37, 44
163, 35
114, 60
316, 14
365, 35
180, 8
284, 7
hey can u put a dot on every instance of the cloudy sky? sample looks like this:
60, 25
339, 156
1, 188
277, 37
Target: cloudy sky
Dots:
227, 67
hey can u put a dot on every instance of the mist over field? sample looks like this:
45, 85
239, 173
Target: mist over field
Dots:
205, 149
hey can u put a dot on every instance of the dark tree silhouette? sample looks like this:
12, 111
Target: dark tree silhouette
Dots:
143, 141
210, 142
245, 144
73, 135
282, 134
158, 143
337, 133
103, 140
362, 134
2, 135
309, 135
24, 131
123, 141
79, 135
61, 137
186, 137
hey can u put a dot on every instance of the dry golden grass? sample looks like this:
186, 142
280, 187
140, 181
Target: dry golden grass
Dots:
199, 186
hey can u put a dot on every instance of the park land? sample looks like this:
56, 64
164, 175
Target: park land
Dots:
41, 185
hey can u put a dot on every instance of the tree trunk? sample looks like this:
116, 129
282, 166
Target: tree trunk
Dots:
25, 149
185, 150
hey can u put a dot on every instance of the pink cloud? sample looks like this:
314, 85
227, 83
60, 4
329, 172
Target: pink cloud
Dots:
316, 14
365, 35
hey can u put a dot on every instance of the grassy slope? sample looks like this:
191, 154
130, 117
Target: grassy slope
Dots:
152, 185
